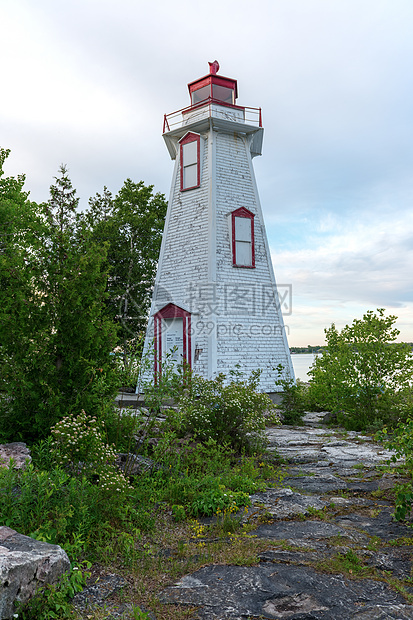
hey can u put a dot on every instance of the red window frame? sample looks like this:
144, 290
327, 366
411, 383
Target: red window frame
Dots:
190, 137
243, 212
171, 311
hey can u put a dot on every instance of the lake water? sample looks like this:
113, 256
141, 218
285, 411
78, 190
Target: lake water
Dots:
302, 363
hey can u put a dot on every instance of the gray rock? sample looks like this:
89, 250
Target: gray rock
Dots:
18, 451
323, 482
380, 523
297, 531
315, 445
283, 504
25, 566
95, 595
387, 481
386, 612
133, 464
329, 418
311, 418
397, 560
353, 454
274, 590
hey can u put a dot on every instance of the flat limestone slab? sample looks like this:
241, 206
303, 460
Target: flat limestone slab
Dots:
283, 503
25, 565
323, 482
274, 590
308, 445
297, 531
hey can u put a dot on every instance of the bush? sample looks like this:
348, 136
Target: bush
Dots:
401, 442
50, 506
294, 399
78, 513
231, 414
79, 446
363, 375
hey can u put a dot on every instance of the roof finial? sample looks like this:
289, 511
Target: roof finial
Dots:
213, 67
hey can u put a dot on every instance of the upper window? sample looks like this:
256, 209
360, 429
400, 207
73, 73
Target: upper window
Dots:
222, 93
215, 91
190, 161
201, 94
243, 250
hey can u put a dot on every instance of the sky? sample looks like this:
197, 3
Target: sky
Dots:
87, 82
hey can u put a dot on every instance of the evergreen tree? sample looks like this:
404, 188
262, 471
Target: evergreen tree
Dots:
132, 223
55, 337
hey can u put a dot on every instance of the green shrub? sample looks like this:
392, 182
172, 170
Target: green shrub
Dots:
120, 425
198, 496
74, 512
50, 506
293, 398
363, 374
401, 442
231, 414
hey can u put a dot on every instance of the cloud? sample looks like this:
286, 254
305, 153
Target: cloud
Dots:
366, 262
86, 83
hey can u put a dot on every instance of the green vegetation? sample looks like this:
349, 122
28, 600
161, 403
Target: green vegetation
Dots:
66, 299
230, 414
73, 494
294, 399
360, 377
400, 441
348, 563
130, 225
97, 519
53, 602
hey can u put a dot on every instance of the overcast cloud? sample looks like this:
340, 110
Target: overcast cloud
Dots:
86, 83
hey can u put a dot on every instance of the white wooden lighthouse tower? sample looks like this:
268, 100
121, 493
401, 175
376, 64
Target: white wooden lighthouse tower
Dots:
215, 302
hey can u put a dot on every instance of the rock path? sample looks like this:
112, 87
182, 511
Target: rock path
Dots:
327, 510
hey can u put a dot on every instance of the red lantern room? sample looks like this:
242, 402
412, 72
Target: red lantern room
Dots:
213, 87
212, 97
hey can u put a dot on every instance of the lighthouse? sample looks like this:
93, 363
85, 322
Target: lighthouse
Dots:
215, 302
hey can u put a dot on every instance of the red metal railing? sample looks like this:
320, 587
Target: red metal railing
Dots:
251, 116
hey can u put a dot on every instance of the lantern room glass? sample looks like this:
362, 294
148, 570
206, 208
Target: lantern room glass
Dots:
214, 91
223, 93
201, 94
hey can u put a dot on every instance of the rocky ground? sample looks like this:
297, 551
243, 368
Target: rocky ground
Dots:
334, 550
330, 546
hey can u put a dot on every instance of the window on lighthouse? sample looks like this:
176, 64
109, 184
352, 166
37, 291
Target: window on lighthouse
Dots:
222, 93
243, 251
190, 167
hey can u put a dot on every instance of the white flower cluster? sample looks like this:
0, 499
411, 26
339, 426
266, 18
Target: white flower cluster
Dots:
113, 481
79, 442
